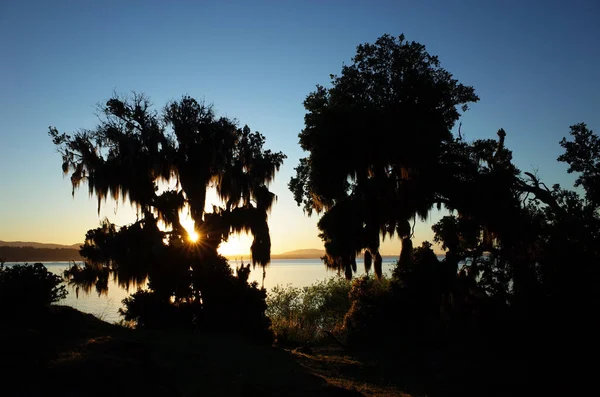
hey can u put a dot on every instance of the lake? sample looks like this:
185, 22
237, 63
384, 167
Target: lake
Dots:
296, 272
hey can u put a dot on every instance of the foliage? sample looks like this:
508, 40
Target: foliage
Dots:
583, 156
368, 313
148, 310
132, 155
26, 288
134, 149
519, 280
375, 139
518, 283
516, 236
520, 274
87, 277
519, 255
424, 305
308, 314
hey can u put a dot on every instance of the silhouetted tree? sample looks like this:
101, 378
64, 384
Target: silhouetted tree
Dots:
583, 156
528, 256
374, 140
136, 154
520, 275
516, 234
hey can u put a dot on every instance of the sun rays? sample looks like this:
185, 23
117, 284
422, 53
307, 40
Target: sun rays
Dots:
193, 237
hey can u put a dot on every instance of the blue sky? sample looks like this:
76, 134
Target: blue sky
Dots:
533, 65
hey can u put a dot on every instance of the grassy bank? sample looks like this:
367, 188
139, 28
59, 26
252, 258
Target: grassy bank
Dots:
66, 352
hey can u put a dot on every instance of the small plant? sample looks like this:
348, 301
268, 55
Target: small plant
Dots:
26, 288
125, 324
102, 315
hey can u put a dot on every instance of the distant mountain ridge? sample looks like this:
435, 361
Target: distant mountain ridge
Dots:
310, 253
37, 245
306, 253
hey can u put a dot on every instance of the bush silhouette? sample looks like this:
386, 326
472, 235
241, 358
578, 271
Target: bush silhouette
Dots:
28, 288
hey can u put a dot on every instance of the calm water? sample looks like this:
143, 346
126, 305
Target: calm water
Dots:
297, 272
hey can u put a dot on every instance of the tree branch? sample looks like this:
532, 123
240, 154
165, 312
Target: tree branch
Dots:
544, 195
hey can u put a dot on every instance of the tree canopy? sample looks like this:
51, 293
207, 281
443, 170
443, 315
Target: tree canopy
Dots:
135, 149
374, 141
162, 162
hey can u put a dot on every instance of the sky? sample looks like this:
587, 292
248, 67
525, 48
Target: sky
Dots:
534, 64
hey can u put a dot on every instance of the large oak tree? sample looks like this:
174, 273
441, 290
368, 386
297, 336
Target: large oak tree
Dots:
162, 162
374, 140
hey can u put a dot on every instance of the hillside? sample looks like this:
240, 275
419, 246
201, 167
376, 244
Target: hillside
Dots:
30, 254
307, 253
312, 253
37, 245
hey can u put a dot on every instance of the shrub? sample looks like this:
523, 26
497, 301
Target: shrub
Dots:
26, 288
370, 312
148, 310
303, 315
413, 307
234, 306
284, 305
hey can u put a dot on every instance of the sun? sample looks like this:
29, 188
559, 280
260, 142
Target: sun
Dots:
188, 225
193, 236
235, 246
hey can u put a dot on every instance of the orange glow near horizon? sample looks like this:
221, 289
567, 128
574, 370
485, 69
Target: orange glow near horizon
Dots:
236, 245
289, 228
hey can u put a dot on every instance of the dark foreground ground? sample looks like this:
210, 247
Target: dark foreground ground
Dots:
69, 353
